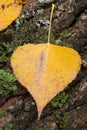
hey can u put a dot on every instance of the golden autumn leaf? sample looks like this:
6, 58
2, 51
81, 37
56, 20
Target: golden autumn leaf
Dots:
9, 11
45, 70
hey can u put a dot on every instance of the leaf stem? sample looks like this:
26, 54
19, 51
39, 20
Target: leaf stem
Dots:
50, 23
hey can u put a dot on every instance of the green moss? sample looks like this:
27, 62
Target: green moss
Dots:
6, 49
63, 121
2, 112
59, 100
6, 82
9, 126
1, 128
66, 44
65, 34
85, 10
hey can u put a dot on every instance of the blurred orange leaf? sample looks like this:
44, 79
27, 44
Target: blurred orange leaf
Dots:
45, 71
9, 11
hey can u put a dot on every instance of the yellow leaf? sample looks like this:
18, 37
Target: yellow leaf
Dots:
9, 11
45, 72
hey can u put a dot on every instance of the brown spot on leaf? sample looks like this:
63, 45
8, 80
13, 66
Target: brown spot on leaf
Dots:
3, 6
9, 5
41, 60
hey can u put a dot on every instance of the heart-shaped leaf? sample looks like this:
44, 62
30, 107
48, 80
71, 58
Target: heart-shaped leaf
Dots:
9, 11
45, 71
